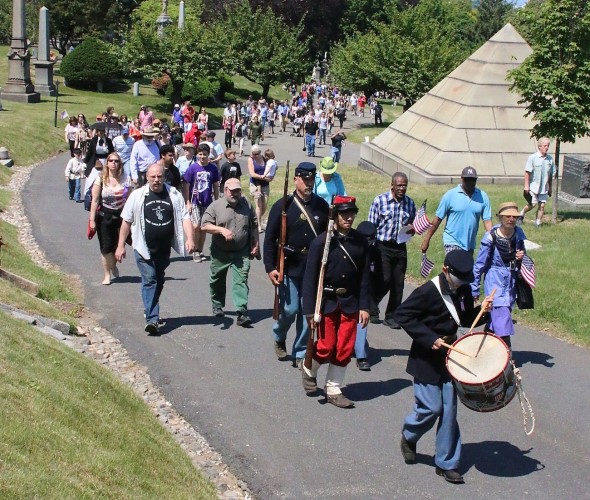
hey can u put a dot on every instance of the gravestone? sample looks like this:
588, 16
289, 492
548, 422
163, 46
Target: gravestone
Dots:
181, 15
575, 183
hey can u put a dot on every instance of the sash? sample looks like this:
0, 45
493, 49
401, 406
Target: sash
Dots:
447, 300
306, 213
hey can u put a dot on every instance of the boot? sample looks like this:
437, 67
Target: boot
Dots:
309, 377
334, 381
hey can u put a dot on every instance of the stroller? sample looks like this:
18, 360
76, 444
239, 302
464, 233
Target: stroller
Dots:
297, 126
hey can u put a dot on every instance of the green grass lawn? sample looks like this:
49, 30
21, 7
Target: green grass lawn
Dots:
370, 130
70, 429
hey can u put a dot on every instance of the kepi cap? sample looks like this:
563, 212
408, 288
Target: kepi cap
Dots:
469, 173
327, 165
367, 229
344, 203
508, 208
305, 170
460, 264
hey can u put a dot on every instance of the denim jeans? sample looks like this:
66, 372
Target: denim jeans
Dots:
336, 154
310, 144
361, 344
74, 189
290, 310
152, 282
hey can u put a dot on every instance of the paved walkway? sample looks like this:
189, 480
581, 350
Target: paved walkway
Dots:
226, 381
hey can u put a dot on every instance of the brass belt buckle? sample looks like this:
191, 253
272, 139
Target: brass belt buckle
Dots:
340, 291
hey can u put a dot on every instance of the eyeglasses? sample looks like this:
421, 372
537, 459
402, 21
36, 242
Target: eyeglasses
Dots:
114, 159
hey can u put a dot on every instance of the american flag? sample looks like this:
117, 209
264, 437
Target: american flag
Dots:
64, 115
426, 267
527, 271
421, 222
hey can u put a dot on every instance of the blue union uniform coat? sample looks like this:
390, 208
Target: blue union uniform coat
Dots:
340, 273
299, 233
425, 317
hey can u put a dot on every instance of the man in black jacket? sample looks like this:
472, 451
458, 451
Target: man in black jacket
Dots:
431, 316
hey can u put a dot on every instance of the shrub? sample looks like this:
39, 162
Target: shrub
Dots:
226, 85
202, 91
160, 83
90, 62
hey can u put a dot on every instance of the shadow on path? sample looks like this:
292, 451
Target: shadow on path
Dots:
533, 357
499, 459
365, 391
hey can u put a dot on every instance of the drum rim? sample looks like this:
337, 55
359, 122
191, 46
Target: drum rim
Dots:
481, 382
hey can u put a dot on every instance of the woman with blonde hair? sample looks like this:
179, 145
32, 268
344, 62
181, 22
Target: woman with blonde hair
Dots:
109, 191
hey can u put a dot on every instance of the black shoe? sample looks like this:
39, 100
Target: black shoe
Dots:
363, 365
451, 476
218, 312
408, 451
374, 319
281, 350
152, 328
243, 320
391, 324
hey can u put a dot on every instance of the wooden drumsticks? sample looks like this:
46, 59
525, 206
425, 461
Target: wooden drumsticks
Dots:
482, 312
449, 346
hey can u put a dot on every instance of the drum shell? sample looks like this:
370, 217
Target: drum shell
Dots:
492, 392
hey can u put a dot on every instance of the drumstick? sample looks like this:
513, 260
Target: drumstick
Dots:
448, 346
481, 312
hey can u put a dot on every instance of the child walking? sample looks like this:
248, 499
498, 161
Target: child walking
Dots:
74, 174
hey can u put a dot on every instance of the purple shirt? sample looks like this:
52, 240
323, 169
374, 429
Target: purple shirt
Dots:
201, 179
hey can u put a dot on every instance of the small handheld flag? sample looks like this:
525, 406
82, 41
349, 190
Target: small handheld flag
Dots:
426, 266
64, 115
421, 222
527, 271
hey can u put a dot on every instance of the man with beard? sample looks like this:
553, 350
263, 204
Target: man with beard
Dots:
307, 216
234, 241
463, 207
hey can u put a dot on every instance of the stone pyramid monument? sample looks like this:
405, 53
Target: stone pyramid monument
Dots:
469, 118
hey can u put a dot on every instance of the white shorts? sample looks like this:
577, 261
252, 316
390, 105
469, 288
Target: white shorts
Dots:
538, 198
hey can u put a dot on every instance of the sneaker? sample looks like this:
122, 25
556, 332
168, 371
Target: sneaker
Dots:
363, 365
243, 320
152, 328
218, 312
198, 257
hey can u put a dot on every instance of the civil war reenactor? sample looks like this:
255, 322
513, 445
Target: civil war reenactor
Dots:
306, 217
340, 257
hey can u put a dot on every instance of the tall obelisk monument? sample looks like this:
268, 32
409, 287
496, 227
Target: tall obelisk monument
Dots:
19, 86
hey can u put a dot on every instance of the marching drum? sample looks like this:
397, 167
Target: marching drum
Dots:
485, 381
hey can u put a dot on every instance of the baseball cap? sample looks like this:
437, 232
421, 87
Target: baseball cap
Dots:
469, 173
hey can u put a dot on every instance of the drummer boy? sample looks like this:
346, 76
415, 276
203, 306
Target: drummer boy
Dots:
430, 316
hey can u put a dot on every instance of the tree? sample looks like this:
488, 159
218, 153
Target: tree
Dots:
491, 17
261, 47
554, 81
409, 54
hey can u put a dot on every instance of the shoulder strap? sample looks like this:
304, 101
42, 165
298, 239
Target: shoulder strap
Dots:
491, 252
307, 216
347, 254
447, 300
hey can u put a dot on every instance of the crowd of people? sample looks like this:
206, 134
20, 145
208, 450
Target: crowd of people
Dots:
160, 187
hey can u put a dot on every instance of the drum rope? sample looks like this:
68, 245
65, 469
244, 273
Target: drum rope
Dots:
523, 399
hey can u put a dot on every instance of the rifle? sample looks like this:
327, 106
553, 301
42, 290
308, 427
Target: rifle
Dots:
320, 293
282, 241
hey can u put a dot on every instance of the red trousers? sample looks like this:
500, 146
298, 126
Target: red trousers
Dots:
336, 336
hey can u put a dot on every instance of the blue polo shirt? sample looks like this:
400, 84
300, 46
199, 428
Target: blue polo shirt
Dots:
463, 214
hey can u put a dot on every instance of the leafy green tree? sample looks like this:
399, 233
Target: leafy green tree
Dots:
491, 17
360, 16
261, 47
409, 54
554, 81
526, 18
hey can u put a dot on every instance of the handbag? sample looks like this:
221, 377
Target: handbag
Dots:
524, 294
90, 231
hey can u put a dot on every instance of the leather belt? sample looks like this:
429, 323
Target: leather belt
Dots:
335, 290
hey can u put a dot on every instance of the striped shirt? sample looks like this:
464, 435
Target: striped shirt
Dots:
389, 216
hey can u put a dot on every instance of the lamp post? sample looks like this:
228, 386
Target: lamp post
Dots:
56, 98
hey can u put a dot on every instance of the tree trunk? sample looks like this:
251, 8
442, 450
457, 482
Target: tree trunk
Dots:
555, 192
265, 89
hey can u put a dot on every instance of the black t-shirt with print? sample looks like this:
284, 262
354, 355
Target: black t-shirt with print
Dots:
159, 222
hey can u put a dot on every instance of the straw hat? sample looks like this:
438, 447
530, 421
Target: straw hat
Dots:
508, 208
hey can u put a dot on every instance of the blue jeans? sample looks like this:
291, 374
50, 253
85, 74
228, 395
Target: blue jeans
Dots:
152, 283
310, 144
290, 310
361, 344
336, 152
74, 189
432, 403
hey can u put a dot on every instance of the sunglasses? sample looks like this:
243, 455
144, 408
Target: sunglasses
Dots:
114, 159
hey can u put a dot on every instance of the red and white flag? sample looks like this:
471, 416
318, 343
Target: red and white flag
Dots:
527, 271
426, 266
421, 222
